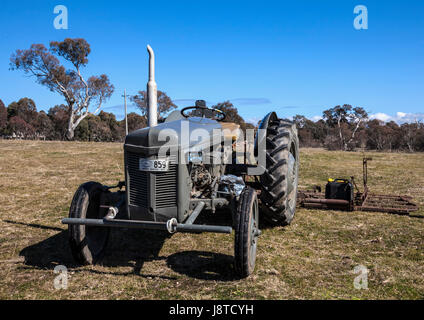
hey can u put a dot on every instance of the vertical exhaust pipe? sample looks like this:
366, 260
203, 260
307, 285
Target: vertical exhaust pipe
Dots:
152, 94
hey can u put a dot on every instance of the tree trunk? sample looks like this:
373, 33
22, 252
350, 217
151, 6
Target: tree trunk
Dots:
70, 132
343, 146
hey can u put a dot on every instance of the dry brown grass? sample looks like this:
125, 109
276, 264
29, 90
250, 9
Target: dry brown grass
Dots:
311, 259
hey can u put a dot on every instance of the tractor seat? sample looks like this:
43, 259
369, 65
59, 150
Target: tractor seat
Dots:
231, 130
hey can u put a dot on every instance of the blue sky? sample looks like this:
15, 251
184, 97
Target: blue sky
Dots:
295, 57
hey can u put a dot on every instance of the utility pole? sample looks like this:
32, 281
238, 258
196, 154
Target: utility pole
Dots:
126, 119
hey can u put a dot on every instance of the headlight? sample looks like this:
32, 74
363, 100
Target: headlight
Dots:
195, 157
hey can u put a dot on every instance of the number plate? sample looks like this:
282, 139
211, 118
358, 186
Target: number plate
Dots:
158, 165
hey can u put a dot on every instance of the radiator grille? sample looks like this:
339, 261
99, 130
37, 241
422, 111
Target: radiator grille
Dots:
138, 182
164, 184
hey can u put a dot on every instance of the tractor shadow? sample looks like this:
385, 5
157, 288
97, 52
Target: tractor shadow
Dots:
127, 248
48, 253
203, 265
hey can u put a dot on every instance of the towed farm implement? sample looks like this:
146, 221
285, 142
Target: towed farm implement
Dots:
344, 194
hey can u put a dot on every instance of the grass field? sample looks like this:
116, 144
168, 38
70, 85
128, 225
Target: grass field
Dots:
313, 258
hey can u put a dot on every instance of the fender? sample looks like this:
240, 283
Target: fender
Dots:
272, 116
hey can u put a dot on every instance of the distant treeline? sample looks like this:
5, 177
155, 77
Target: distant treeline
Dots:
347, 128
20, 120
342, 127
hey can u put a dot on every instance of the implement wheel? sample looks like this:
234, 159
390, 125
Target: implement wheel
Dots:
247, 232
87, 242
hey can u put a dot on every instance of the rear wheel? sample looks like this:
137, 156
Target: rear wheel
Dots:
87, 242
279, 182
247, 232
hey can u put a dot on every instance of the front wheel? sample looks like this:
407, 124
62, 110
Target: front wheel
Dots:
247, 232
87, 243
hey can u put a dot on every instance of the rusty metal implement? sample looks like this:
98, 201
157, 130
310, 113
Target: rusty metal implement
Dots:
362, 201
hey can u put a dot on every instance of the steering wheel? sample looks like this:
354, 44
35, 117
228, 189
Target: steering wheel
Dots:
212, 113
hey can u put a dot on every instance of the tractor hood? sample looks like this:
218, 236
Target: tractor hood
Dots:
188, 132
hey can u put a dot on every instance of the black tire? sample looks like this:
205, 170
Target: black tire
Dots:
87, 243
279, 182
247, 232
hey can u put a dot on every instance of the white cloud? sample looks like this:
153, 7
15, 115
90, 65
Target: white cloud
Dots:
253, 120
315, 118
380, 116
400, 117
252, 101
